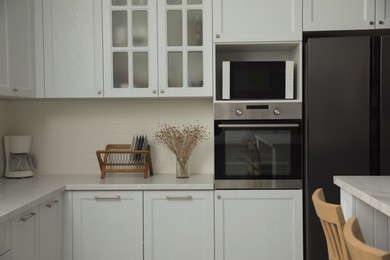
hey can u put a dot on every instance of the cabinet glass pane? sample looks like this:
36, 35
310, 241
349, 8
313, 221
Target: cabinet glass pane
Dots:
140, 28
175, 69
119, 2
174, 2
140, 70
194, 28
194, 2
119, 29
195, 69
174, 28
120, 69
140, 2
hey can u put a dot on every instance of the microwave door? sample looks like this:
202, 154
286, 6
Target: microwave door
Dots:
226, 80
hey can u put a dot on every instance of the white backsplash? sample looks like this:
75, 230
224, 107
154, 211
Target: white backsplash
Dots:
67, 133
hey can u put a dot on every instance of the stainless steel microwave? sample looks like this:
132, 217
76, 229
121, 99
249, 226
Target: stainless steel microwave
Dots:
257, 80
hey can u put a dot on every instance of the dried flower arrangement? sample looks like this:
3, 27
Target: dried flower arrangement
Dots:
182, 142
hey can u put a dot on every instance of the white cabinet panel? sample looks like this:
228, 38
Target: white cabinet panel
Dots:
107, 225
25, 235
50, 229
179, 225
17, 48
323, 15
254, 20
73, 48
258, 224
5, 237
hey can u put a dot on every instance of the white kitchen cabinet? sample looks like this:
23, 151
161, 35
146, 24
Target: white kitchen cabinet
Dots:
50, 229
17, 48
5, 237
258, 224
257, 20
178, 225
324, 15
72, 33
157, 48
25, 235
107, 225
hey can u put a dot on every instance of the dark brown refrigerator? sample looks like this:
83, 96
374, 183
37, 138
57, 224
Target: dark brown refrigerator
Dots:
347, 119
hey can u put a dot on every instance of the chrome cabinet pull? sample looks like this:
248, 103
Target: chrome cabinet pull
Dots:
187, 197
371, 23
25, 218
381, 22
219, 196
108, 197
257, 125
51, 204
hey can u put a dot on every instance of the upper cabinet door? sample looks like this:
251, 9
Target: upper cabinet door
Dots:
73, 48
17, 48
323, 15
257, 20
185, 48
382, 14
130, 48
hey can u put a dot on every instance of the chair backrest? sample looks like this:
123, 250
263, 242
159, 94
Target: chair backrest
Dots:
356, 245
332, 221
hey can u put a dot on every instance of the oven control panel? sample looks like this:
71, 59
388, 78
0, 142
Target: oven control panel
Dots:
248, 111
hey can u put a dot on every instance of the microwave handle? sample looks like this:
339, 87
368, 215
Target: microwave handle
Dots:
257, 125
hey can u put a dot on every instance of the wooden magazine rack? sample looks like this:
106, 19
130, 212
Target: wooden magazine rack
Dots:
121, 158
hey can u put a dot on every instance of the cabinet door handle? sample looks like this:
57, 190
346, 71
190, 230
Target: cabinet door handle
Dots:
108, 197
371, 23
162, 91
219, 196
99, 92
187, 197
25, 218
51, 204
15, 90
381, 22
217, 36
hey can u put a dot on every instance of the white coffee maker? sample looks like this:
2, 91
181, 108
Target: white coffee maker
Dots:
19, 163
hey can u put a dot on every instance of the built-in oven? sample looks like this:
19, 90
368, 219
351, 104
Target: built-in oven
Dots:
258, 146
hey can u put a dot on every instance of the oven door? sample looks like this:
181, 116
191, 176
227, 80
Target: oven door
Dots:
258, 154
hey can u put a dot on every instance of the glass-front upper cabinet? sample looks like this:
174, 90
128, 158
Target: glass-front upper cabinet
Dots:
185, 49
157, 48
130, 48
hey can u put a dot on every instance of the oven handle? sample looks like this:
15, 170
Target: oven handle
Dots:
257, 125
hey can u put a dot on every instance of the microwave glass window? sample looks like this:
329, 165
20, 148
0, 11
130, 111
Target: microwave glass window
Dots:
257, 80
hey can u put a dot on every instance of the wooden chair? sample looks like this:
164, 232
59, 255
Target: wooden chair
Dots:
332, 221
356, 245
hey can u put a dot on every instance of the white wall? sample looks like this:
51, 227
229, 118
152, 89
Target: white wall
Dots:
67, 133
3, 131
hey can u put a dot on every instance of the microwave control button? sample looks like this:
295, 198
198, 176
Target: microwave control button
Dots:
238, 112
276, 111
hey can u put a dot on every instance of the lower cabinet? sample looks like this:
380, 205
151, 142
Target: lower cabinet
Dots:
25, 235
258, 224
138, 225
50, 229
107, 225
178, 225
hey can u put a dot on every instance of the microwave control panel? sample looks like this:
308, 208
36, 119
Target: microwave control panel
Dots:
247, 111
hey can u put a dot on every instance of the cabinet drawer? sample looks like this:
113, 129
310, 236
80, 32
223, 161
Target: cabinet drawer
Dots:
5, 237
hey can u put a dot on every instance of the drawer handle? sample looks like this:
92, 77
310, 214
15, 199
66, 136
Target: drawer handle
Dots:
188, 197
51, 204
24, 219
108, 197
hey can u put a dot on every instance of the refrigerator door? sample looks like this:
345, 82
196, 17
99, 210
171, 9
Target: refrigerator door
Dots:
337, 123
384, 144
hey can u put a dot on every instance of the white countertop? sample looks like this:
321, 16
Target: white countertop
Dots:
17, 195
373, 190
